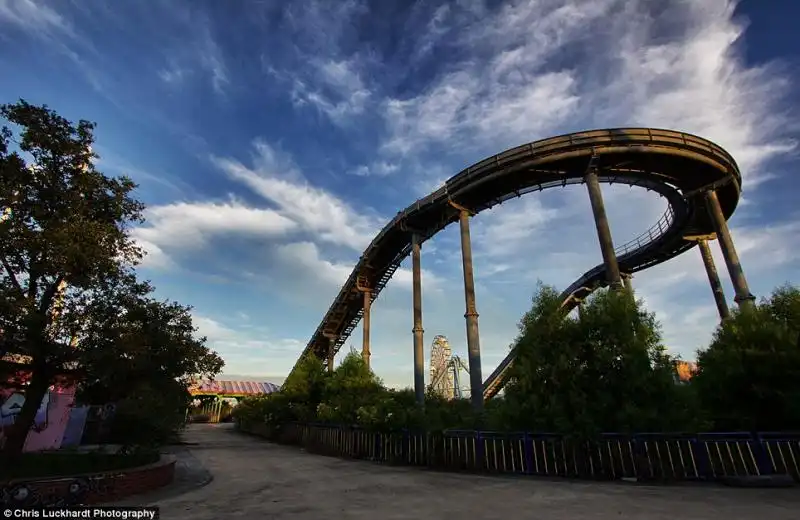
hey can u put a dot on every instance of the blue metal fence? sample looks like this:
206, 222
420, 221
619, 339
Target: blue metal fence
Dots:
643, 457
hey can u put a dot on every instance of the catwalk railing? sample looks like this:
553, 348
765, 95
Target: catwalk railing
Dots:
643, 457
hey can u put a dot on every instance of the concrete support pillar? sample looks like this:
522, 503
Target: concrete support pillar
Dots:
627, 282
331, 346
603, 229
742, 293
419, 349
471, 316
365, 354
713, 279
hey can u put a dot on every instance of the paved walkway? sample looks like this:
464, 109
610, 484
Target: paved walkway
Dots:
255, 479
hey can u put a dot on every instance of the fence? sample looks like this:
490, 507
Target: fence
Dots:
644, 457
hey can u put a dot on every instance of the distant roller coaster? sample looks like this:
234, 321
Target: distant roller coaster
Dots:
445, 370
699, 179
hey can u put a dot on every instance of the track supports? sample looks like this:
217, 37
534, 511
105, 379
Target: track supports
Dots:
603, 230
419, 349
742, 296
331, 347
713, 278
365, 326
471, 315
627, 282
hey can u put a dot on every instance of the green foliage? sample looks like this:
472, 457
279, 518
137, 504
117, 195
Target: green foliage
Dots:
351, 390
749, 377
71, 308
303, 389
130, 338
149, 416
604, 370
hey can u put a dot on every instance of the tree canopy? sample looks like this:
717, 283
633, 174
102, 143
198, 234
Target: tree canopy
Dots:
749, 377
70, 304
603, 370
606, 370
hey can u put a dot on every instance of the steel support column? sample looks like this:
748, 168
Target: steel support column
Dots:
471, 316
365, 353
713, 278
419, 349
603, 229
742, 293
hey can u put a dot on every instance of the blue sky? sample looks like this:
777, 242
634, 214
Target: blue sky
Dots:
272, 140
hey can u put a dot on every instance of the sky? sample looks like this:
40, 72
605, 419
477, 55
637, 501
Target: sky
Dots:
272, 140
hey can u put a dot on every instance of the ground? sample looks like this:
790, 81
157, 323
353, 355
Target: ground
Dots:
255, 479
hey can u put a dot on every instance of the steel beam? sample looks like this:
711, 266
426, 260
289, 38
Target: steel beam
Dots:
471, 315
365, 353
742, 293
419, 349
603, 229
713, 278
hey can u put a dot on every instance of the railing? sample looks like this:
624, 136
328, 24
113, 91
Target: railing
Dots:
643, 457
649, 236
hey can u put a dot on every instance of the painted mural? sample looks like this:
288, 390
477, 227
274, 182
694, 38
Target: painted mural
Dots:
56, 413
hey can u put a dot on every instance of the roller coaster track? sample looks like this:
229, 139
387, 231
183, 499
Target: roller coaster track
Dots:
679, 166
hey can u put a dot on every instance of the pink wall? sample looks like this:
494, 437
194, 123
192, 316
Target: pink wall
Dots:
54, 414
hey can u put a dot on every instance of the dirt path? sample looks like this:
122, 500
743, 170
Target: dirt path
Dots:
255, 479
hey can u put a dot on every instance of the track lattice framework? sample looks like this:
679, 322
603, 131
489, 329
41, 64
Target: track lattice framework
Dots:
679, 166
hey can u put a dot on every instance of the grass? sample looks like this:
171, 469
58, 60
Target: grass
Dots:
65, 463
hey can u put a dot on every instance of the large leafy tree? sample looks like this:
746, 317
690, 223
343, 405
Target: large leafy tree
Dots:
605, 370
63, 235
142, 354
130, 338
302, 392
351, 389
749, 376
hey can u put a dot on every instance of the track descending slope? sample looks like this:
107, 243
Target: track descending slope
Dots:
679, 166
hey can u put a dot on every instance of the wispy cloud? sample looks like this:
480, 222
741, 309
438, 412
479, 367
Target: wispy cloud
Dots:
328, 217
248, 350
35, 18
189, 226
416, 94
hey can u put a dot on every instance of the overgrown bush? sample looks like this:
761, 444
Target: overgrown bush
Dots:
749, 377
605, 370
148, 417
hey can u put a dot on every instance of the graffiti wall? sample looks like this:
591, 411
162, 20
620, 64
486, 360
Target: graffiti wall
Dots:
56, 413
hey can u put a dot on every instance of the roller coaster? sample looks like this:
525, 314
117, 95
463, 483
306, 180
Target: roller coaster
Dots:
681, 167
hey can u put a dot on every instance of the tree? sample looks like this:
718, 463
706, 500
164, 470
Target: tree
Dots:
749, 376
604, 371
302, 392
541, 361
351, 388
141, 354
63, 233
130, 338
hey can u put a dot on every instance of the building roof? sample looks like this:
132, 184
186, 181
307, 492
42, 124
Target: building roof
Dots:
233, 388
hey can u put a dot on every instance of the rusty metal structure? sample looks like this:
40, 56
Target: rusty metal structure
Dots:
445, 370
700, 181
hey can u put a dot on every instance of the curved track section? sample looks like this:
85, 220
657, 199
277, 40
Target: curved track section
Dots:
679, 166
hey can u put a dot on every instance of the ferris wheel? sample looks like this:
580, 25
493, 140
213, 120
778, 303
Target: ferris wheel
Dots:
445, 369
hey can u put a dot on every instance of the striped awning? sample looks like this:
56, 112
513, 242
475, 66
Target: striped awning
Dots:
233, 388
